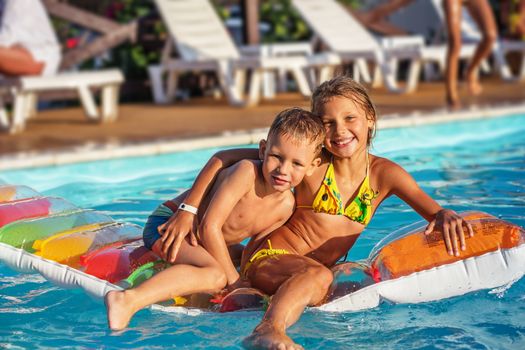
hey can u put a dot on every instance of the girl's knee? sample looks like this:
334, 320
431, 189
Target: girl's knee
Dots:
322, 276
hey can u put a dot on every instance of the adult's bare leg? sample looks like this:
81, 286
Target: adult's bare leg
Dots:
452, 11
296, 282
15, 60
481, 12
194, 271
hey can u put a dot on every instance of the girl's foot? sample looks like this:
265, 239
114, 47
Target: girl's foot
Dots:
267, 337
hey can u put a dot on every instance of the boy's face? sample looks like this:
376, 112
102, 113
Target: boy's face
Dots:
286, 161
346, 127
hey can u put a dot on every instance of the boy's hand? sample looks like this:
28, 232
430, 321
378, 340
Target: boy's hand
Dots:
174, 231
451, 224
240, 283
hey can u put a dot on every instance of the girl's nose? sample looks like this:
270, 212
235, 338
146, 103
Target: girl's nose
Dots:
340, 128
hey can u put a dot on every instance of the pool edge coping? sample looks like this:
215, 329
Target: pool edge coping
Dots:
112, 150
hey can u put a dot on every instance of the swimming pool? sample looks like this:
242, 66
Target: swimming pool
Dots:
476, 165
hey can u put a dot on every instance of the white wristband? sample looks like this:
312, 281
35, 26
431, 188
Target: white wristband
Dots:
188, 208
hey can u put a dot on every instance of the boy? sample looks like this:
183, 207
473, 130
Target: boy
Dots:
229, 213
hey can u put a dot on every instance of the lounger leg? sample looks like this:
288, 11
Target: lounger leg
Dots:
302, 82
31, 103
19, 113
501, 64
4, 118
255, 88
326, 73
413, 76
281, 78
379, 75
229, 85
363, 70
171, 85
88, 102
155, 73
109, 98
268, 84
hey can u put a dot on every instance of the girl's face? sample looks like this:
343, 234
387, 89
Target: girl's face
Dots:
346, 127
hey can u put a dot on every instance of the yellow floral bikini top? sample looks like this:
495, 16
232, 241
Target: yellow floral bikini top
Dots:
328, 199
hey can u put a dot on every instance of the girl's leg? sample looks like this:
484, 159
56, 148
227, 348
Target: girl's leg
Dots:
452, 11
296, 282
481, 12
195, 270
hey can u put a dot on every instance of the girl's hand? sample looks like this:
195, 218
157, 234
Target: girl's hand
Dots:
451, 224
174, 231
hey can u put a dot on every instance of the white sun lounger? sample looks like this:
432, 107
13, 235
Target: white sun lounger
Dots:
344, 35
203, 44
24, 91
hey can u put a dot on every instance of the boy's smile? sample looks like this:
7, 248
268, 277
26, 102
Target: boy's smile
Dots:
285, 161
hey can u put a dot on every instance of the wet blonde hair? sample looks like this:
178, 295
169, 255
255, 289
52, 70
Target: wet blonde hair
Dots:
344, 86
300, 125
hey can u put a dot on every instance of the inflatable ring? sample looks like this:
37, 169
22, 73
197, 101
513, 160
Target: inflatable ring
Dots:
83, 248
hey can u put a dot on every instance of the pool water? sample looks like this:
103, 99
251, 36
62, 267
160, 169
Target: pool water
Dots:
475, 165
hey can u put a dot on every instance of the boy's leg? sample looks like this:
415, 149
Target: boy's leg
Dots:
15, 60
296, 282
195, 270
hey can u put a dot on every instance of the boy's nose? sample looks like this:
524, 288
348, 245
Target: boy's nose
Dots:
284, 168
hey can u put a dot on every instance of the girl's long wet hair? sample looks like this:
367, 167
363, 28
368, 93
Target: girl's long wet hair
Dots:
344, 86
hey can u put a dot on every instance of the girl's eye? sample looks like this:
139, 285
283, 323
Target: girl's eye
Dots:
349, 118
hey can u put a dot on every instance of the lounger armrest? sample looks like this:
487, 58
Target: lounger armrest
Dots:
70, 80
396, 42
277, 49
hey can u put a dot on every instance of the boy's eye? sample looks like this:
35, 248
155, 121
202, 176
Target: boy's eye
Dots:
297, 164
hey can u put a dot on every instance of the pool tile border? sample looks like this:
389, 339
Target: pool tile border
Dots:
111, 150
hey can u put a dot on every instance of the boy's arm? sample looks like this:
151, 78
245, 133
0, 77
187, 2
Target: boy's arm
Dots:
182, 222
448, 221
239, 181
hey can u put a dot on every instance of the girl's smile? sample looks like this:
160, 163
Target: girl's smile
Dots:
346, 127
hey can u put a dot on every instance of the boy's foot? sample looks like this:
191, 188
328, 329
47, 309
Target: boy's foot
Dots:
118, 311
267, 337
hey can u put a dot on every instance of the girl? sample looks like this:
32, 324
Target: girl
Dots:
334, 205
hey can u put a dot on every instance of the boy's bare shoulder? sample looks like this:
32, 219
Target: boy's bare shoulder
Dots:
247, 167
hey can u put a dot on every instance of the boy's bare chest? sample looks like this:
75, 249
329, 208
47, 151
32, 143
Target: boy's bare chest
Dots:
253, 215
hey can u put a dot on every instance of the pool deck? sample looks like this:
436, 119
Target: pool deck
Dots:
58, 136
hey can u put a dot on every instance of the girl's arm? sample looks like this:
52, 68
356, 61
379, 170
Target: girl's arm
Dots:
239, 181
448, 221
182, 222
